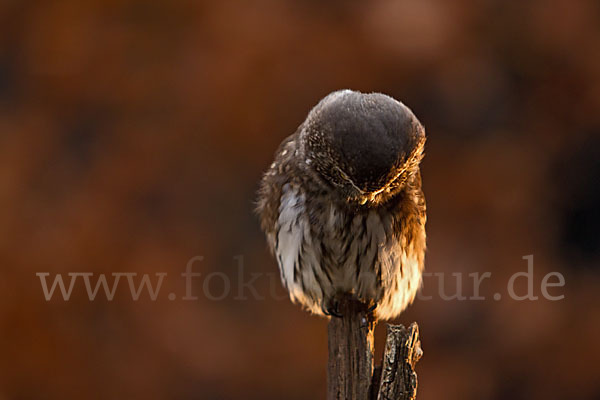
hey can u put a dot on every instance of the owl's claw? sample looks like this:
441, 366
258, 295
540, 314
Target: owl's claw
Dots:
372, 308
332, 308
334, 312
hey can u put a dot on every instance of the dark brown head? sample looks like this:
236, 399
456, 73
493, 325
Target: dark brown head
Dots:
363, 146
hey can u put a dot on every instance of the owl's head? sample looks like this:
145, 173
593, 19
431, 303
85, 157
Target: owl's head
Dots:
364, 147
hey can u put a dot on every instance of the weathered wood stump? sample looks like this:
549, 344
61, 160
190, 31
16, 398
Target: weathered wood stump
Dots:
350, 373
398, 378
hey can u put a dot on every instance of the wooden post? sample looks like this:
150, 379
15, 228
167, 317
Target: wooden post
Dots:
350, 373
350, 368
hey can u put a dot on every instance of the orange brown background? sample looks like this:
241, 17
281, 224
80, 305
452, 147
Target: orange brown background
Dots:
133, 135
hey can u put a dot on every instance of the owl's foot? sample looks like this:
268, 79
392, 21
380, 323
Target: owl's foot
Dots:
331, 307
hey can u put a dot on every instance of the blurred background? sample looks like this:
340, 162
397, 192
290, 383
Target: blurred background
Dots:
133, 135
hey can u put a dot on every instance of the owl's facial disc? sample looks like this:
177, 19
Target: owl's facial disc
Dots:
363, 143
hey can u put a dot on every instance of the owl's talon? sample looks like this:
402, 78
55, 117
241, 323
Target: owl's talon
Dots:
335, 312
332, 309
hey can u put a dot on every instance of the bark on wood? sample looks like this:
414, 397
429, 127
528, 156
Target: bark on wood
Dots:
350, 373
402, 351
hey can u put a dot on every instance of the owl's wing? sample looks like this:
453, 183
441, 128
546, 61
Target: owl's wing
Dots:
271, 186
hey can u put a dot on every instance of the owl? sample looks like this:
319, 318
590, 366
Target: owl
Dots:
342, 207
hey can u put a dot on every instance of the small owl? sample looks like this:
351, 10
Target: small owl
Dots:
342, 207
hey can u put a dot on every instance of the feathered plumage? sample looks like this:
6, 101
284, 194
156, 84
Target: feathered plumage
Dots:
342, 206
